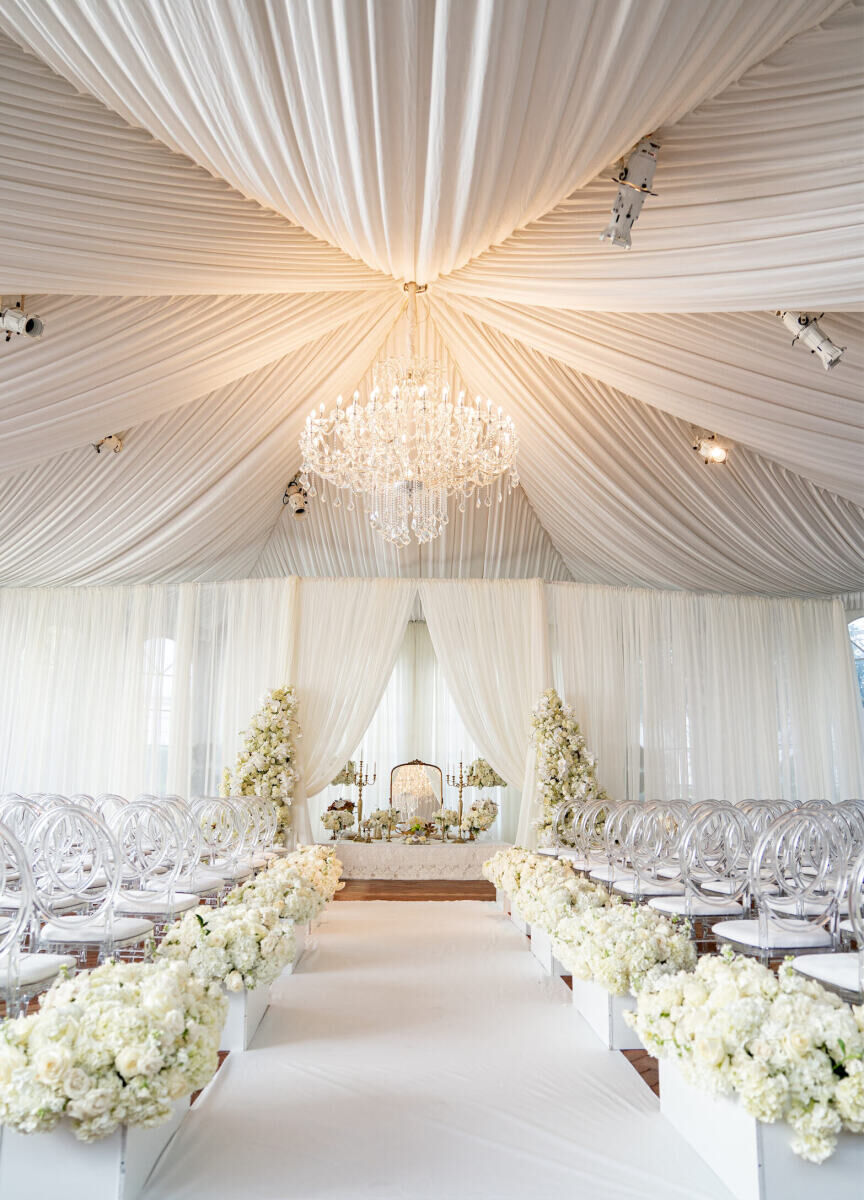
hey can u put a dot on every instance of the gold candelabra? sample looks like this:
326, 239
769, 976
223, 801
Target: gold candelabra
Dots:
363, 779
459, 781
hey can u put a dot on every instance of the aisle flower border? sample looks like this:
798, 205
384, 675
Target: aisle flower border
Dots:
787, 1048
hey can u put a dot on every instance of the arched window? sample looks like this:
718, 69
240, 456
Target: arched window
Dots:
856, 636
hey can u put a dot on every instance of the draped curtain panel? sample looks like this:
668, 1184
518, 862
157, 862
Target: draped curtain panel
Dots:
491, 641
698, 696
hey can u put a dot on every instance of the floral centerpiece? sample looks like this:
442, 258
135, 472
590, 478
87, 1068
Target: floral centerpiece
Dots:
283, 887
320, 866
338, 819
482, 775
266, 765
790, 1050
566, 770
345, 778
114, 1046
382, 820
445, 819
479, 816
623, 946
241, 946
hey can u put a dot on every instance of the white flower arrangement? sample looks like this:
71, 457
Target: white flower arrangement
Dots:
381, 820
345, 778
623, 946
479, 816
283, 887
337, 819
446, 817
546, 891
114, 1046
482, 775
240, 946
786, 1047
266, 764
566, 770
320, 866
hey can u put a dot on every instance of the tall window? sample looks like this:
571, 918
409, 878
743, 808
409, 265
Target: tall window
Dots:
159, 658
856, 636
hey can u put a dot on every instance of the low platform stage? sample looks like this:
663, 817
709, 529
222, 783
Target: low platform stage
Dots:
395, 860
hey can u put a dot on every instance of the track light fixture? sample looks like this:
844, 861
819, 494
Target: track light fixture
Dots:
296, 498
709, 449
805, 329
634, 179
13, 319
113, 443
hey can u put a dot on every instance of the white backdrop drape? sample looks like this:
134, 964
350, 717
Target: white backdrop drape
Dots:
348, 636
146, 688
491, 640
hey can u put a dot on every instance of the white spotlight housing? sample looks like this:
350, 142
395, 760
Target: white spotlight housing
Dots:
112, 443
15, 320
709, 449
296, 499
635, 179
805, 329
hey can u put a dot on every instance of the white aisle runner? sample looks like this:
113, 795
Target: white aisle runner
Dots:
419, 1054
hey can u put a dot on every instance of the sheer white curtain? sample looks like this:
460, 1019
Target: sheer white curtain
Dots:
348, 636
491, 640
707, 695
133, 689
418, 718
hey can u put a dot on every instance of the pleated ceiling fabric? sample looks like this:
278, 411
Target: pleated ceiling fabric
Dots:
213, 205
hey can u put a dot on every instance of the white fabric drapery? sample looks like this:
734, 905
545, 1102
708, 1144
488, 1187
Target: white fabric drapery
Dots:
418, 718
398, 131
692, 696
348, 636
491, 641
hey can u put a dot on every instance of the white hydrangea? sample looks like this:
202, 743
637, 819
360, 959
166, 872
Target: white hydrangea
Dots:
480, 815
789, 1049
266, 764
337, 819
565, 768
242, 945
546, 891
114, 1046
621, 946
482, 775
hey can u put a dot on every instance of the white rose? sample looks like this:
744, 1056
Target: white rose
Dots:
51, 1064
76, 1083
128, 1061
234, 981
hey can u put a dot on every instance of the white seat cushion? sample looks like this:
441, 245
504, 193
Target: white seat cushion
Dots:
12, 903
201, 882
155, 902
34, 968
634, 887
677, 906
124, 930
746, 933
607, 874
809, 908
837, 970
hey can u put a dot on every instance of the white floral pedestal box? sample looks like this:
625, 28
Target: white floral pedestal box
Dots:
755, 1161
246, 1010
605, 1014
41, 1166
518, 920
301, 937
503, 901
541, 948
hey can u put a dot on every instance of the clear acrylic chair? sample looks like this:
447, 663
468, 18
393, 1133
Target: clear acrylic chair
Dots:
615, 830
652, 848
797, 876
77, 865
152, 844
22, 974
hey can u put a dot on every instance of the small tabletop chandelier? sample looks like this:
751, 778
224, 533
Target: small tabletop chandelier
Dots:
410, 447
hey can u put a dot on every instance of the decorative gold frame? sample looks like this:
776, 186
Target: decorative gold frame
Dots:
417, 762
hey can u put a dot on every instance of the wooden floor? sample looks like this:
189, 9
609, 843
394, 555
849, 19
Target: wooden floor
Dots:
416, 889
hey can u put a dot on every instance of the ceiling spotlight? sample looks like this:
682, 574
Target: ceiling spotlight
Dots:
634, 179
296, 498
807, 332
113, 442
709, 449
14, 320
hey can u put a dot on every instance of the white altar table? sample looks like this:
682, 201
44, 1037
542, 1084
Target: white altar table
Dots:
395, 860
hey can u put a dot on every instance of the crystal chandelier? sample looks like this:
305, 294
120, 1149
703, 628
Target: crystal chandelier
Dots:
409, 447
